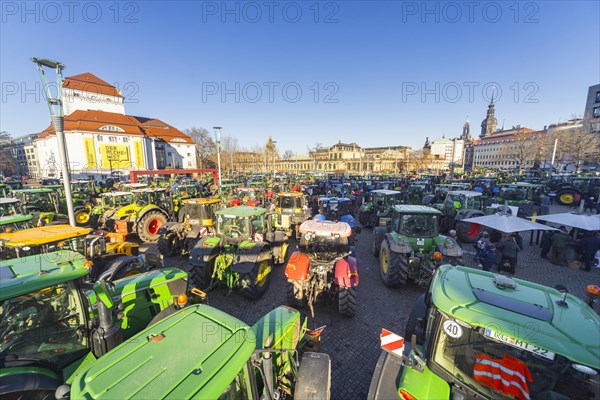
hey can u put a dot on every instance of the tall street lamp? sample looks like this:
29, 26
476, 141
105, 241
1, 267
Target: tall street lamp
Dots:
55, 106
217, 130
273, 149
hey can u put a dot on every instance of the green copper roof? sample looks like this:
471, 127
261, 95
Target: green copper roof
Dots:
195, 352
241, 212
22, 275
530, 313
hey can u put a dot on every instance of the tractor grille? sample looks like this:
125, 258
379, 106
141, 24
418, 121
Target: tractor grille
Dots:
121, 227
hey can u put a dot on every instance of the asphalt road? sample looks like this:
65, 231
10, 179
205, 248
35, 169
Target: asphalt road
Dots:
353, 343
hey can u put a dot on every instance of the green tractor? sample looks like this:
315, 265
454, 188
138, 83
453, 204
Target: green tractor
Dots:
108, 203
241, 252
382, 200
53, 322
410, 247
291, 210
478, 335
195, 221
526, 196
10, 217
151, 208
49, 206
202, 353
457, 206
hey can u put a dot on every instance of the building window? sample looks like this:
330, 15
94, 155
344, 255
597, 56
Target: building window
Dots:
189, 154
597, 97
112, 139
189, 163
596, 112
99, 138
125, 140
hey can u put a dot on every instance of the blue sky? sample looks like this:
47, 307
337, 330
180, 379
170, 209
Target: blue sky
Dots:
306, 72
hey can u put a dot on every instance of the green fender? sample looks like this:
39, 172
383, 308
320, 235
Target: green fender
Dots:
205, 250
283, 324
248, 254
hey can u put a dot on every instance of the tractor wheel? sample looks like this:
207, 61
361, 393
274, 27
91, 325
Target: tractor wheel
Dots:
133, 267
255, 283
82, 217
295, 294
467, 232
94, 223
347, 301
418, 311
147, 228
200, 276
363, 218
378, 234
375, 246
567, 197
168, 244
394, 273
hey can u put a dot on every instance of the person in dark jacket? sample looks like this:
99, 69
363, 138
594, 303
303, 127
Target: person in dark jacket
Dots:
560, 241
509, 249
588, 246
546, 243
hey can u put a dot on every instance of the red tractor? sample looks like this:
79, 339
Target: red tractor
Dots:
323, 267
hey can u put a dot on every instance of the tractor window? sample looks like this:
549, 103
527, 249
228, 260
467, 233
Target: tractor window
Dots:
477, 357
233, 227
44, 325
287, 202
419, 225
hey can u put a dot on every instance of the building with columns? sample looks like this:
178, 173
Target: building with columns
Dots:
103, 141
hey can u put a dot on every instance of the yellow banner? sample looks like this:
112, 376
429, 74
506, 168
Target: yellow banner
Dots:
138, 154
90, 152
115, 156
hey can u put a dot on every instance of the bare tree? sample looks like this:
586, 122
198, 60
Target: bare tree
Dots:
229, 146
7, 163
522, 149
579, 145
205, 146
288, 155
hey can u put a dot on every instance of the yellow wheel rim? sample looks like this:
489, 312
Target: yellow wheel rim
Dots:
384, 262
567, 198
284, 248
82, 217
263, 271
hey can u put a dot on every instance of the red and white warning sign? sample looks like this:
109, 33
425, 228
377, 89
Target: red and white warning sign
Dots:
258, 237
392, 343
203, 230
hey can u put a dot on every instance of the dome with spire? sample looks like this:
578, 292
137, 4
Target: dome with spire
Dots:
488, 125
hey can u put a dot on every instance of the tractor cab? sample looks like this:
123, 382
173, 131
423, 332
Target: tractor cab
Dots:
37, 200
199, 211
476, 334
373, 212
239, 224
334, 208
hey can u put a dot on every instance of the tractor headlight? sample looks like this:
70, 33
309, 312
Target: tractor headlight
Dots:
414, 262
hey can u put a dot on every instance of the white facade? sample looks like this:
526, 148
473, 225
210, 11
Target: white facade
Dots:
80, 100
451, 151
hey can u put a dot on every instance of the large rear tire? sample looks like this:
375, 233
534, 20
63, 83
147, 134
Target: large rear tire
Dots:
200, 277
132, 267
255, 283
168, 244
394, 273
82, 217
363, 218
347, 301
147, 228
567, 197
295, 294
412, 325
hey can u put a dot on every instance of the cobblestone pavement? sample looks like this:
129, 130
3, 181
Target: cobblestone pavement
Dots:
353, 343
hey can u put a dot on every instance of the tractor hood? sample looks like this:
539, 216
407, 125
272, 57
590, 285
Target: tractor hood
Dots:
195, 352
126, 211
15, 218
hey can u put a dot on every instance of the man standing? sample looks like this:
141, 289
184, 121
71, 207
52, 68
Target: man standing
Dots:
560, 241
509, 251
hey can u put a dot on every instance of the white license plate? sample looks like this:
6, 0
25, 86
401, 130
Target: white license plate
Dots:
520, 344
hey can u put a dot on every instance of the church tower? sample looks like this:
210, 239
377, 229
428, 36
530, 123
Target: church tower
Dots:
488, 125
466, 135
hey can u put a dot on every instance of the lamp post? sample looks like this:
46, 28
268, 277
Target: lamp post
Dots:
55, 106
217, 130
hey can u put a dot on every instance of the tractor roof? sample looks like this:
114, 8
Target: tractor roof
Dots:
241, 212
326, 228
334, 199
386, 192
136, 185
194, 353
116, 194
522, 185
201, 201
290, 194
22, 275
8, 200
473, 297
414, 209
465, 193
14, 218
43, 235
148, 190
33, 191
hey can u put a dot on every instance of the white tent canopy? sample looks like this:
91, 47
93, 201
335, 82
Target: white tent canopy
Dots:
508, 223
580, 221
